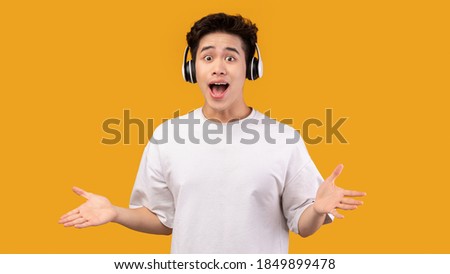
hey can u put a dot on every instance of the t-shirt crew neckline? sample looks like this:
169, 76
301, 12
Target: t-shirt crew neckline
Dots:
203, 117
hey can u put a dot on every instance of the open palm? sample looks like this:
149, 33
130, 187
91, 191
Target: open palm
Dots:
329, 197
97, 210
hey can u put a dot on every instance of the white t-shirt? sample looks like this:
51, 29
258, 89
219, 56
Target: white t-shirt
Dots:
236, 187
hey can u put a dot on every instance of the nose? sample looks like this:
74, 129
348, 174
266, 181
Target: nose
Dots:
219, 68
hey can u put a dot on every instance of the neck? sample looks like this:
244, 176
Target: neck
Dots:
226, 116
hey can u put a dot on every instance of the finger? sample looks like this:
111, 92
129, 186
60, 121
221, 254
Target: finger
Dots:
354, 193
72, 212
350, 201
81, 192
347, 207
336, 214
337, 171
69, 218
75, 222
83, 225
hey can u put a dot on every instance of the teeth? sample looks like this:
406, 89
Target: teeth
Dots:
219, 84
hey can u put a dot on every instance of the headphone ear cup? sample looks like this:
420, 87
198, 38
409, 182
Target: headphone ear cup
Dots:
188, 68
189, 72
252, 69
194, 77
186, 72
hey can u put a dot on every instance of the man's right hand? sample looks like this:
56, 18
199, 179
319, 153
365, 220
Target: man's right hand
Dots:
97, 210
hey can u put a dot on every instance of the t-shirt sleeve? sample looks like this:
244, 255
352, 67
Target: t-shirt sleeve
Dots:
150, 188
301, 188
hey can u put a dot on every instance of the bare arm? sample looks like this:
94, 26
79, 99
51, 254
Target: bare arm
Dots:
98, 210
328, 198
141, 219
310, 222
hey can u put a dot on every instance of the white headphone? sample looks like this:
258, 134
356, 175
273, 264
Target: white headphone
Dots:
254, 69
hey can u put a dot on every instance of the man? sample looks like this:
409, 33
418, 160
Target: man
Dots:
238, 191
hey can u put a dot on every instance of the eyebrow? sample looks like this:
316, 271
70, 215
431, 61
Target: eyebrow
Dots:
213, 47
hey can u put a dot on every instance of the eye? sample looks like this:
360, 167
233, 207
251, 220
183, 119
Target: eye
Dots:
230, 58
207, 58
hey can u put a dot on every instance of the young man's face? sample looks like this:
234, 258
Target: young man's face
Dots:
221, 71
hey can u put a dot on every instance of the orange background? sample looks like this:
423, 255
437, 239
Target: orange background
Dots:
68, 66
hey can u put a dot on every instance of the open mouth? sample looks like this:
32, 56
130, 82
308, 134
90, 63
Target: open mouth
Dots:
218, 89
